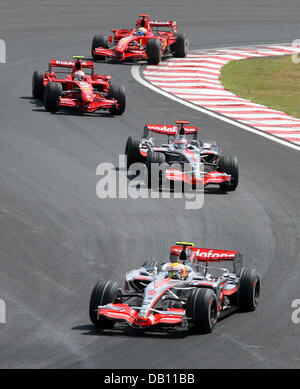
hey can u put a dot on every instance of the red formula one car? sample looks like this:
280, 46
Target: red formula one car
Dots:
74, 84
186, 292
149, 40
190, 161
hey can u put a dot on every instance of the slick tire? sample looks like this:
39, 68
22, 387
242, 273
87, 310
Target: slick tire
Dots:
52, 93
202, 309
38, 87
180, 47
249, 290
154, 162
153, 49
132, 151
99, 41
229, 164
118, 93
104, 292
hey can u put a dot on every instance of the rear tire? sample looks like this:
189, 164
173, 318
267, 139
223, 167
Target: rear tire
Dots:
249, 290
154, 158
181, 46
104, 292
132, 151
118, 93
53, 91
99, 41
202, 308
229, 164
153, 49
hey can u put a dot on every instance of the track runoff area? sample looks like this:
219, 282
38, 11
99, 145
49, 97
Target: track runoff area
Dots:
194, 82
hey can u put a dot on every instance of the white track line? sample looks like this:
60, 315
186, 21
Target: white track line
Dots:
194, 82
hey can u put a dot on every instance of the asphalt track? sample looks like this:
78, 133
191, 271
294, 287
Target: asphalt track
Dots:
57, 238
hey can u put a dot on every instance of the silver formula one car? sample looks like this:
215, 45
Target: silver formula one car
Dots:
186, 292
189, 161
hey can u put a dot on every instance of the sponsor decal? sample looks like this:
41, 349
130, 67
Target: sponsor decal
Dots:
213, 254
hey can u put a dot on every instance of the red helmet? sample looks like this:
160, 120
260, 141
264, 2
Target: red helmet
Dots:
79, 75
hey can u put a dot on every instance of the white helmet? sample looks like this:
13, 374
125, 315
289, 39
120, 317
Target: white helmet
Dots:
79, 75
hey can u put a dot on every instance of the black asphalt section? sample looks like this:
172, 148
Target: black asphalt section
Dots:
57, 238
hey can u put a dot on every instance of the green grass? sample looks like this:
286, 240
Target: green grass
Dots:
271, 81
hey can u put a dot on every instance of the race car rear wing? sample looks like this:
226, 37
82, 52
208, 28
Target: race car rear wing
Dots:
69, 64
168, 129
187, 251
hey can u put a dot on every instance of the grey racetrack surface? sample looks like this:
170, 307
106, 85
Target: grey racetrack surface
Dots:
57, 238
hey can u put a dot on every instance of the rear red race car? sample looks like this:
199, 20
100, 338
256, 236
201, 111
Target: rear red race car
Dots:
156, 39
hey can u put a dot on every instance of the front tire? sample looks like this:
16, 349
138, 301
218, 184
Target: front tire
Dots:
99, 41
229, 165
53, 91
38, 87
118, 93
158, 159
153, 49
104, 292
132, 151
202, 308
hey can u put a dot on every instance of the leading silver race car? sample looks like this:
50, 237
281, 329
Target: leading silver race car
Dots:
183, 293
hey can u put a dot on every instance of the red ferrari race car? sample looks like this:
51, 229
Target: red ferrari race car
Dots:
74, 84
190, 161
149, 40
187, 291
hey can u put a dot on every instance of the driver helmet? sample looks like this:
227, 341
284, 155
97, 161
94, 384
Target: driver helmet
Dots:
142, 31
180, 142
177, 271
79, 75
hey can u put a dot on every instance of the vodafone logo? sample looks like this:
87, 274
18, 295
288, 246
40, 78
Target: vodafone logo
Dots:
165, 129
202, 254
213, 254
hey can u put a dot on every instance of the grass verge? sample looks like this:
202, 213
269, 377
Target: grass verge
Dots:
271, 81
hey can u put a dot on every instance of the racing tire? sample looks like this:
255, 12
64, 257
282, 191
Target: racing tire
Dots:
38, 86
154, 158
202, 309
132, 151
249, 290
229, 164
153, 50
118, 93
52, 93
104, 292
180, 47
99, 41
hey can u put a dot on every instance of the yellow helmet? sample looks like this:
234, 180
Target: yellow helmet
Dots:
142, 31
177, 271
